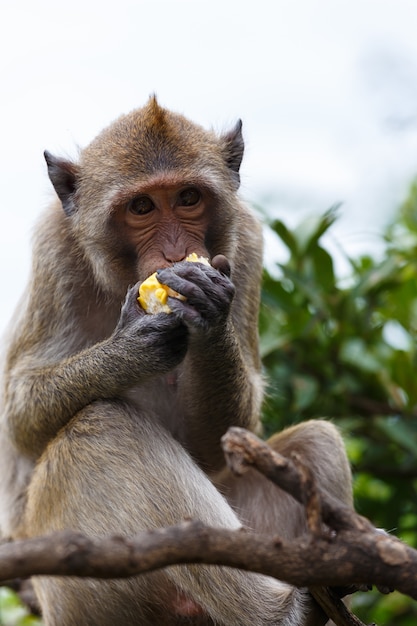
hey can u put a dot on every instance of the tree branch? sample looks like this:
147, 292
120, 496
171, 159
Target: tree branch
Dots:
345, 550
348, 559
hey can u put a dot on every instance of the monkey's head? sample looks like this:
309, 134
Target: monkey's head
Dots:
152, 188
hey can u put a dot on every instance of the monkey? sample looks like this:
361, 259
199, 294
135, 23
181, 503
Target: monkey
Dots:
111, 418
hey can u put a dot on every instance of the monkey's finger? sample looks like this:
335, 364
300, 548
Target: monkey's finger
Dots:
160, 323
132, 297
198, 307
187, 313
191, 285
198, 272
169, 333
213, 285
221, 264
131, 310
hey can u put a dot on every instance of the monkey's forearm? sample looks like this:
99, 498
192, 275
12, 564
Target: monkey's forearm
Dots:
40, 400
221, 389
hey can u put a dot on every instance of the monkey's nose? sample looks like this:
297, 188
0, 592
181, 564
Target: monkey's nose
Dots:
174, 256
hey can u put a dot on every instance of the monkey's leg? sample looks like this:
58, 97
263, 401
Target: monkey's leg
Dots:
111, 470
263, 507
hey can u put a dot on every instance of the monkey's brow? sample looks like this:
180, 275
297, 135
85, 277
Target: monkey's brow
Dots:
209, 183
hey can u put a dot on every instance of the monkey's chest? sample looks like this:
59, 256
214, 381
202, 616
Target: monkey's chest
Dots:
161, 399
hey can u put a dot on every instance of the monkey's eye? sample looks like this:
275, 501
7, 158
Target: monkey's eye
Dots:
189, 197
140, 205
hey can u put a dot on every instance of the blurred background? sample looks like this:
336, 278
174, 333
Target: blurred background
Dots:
327, 90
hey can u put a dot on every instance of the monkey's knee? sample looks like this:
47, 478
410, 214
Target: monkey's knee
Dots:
264, 507
317, 432
319, 445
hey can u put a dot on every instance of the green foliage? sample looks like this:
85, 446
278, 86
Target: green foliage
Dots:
12, 612
347, 350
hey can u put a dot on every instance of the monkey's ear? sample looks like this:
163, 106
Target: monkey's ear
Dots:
233, 150
63, 176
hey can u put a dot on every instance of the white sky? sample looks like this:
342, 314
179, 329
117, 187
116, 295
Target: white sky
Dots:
327, 90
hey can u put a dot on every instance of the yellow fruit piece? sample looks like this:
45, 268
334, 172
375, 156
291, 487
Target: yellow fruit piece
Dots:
153, 295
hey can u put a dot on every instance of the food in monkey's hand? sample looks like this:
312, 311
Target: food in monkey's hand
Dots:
153, 295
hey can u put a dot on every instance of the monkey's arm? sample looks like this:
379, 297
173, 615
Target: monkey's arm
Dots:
221, 384
40, 399
220, 389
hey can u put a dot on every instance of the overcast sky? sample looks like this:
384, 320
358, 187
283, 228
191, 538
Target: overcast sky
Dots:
327, 91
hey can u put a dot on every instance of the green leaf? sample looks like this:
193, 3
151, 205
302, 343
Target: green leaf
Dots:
324, 271
355, 352
13, 612
307, 289
378, 278
399, 431
283, 233
309, 231
305, 390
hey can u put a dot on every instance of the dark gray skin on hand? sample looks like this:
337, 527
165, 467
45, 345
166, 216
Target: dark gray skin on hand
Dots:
208, 292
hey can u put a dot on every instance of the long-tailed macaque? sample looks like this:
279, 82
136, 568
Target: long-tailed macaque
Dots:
112, 418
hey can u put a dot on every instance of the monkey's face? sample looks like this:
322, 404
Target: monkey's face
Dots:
162, 222
151, 189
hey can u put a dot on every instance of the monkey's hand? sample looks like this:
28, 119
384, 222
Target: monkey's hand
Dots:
208, 292
153, 295
157, 343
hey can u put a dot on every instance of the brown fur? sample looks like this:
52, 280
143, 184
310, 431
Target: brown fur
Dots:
111, 419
